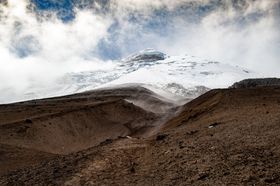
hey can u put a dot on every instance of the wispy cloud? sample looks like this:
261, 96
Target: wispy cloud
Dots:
39, 46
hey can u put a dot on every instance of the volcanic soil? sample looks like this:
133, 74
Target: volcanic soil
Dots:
131, 136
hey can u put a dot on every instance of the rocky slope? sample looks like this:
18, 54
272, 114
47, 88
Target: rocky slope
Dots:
224, 137
76, 122
262, 82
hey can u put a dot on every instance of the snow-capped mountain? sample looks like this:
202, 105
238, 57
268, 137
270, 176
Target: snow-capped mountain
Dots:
185, 76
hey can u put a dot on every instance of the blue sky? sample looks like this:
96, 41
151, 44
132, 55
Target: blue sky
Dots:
161, 24
65, 36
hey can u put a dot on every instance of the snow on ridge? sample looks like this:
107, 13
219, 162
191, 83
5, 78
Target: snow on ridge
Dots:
189, 71
184, 76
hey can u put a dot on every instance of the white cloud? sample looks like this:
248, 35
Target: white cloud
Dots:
37, 51
56, 48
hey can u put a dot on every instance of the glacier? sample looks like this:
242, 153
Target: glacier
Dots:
185, 77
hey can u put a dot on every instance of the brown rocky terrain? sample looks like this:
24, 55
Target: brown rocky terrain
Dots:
224, 137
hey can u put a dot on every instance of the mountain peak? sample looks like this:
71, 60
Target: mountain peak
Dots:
147, 55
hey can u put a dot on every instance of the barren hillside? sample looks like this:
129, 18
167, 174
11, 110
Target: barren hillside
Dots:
224, 137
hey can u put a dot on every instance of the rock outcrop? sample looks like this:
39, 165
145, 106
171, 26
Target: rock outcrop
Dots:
261, 82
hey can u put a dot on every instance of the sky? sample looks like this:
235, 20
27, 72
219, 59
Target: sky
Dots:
42, 39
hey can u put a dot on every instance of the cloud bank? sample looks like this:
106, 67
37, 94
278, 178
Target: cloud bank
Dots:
41, 40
